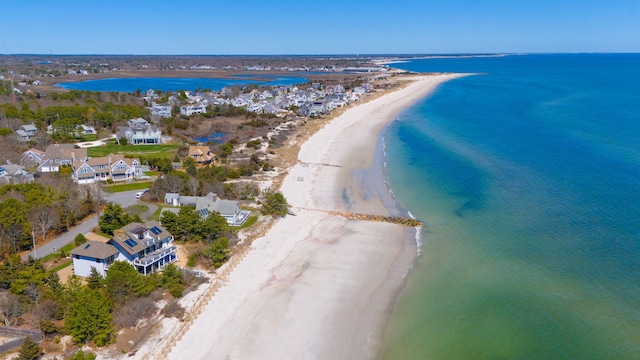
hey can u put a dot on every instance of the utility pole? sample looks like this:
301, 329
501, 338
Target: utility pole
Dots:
33, 238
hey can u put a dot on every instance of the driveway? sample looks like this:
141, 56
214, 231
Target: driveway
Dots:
124, 198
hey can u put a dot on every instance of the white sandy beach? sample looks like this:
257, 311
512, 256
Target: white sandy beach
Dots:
317, 286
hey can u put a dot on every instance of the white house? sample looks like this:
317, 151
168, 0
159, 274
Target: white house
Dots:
111, 167
93, 254
188, 110
163, 111
148, 247
140, 132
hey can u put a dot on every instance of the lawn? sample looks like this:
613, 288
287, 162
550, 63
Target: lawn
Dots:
250, 221
137, 209
59, 253
134, 151
126, 187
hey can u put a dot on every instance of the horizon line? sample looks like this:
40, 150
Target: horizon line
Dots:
332, 54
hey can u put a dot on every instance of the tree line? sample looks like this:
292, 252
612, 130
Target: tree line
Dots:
91, 312
34, 209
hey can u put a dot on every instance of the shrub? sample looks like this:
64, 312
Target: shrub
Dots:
80, 239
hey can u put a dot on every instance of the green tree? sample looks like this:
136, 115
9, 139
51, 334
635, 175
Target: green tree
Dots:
29, 350
275, 204
218, 252
123, 281
81, 355
173, 280
170, 222
65, 169
90, 316
113, 218
95, 280
31, 275
189, 164
14, 225
225, 150
212, 227
80, 239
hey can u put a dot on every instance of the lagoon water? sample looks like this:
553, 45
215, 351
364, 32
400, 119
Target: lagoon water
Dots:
175, 84
527, 176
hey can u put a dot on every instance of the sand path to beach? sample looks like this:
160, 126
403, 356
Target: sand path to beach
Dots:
318, 286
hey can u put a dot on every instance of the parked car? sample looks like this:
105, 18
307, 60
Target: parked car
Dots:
140, 193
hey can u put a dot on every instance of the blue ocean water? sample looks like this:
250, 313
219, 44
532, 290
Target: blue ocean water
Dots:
527, 176
175, 84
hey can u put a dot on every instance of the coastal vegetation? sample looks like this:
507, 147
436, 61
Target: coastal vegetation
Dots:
93, 312
210, 234
44, 209
275, 204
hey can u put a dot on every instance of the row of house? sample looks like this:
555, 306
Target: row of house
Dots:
279, 100
147, 246
85, 170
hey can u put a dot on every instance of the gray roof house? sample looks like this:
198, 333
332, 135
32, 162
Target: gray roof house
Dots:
205, 205
148, 247
93, 254
14, 174
26, 132
140, 132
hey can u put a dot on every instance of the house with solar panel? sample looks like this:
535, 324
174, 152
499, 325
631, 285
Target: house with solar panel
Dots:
209, 204
148, 247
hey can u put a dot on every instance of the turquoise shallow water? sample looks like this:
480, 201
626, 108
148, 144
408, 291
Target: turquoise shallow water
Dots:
528, 179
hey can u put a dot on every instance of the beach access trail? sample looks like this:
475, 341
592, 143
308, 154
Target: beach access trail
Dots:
317, 285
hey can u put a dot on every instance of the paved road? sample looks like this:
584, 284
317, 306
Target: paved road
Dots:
125, 199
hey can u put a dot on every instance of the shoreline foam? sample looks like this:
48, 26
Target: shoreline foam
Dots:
318, 285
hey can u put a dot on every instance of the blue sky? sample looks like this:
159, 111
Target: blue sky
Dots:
318, 27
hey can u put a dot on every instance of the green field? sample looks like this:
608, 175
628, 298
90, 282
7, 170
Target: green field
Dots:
134, 151
126, 187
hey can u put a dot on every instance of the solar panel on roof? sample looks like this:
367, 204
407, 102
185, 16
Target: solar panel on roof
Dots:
87, 246
156, 230
130, 242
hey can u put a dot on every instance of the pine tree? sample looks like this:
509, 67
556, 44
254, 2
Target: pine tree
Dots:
81, 355
90, 317
29, 350
95, 280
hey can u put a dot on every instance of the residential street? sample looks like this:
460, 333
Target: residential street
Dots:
125, 199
